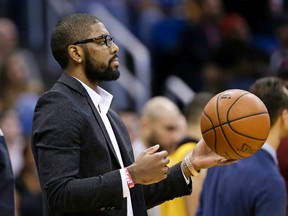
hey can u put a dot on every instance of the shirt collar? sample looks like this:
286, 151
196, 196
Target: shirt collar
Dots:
101, 98
267, 147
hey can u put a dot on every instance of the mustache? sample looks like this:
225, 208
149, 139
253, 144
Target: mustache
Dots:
114, 57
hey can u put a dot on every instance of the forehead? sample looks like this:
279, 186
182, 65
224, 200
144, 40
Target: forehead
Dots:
168, 120
98, 29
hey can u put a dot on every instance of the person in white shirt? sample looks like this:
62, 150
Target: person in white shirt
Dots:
81, 147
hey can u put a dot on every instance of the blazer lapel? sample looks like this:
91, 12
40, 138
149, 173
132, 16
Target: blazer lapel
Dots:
103, 128
76, 85
123, 139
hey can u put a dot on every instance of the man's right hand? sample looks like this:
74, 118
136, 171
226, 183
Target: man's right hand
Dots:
150, 166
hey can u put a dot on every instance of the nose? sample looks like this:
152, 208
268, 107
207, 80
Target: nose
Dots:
176, 137
114, 48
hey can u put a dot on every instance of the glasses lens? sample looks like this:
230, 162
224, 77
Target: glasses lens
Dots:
108, 40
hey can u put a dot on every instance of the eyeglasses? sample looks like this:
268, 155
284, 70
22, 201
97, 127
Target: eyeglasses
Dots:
107, 40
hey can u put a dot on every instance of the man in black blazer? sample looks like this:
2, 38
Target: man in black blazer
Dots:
6, 181
81, 147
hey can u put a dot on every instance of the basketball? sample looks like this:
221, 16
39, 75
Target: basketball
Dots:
235, 124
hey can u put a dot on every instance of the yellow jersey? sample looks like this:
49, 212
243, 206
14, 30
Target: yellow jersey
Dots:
177, 205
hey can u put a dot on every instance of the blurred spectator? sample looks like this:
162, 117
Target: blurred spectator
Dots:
131, 122
215, 78
187, 206
283, 147
19, 75
151, 13
240, 61
161, 122
282, 71
10, 124
280, 55
118, 8
28, 187
160, 25
283, 163
197, 41
257, 13
234, 26
20, 86
9, 38
7, 207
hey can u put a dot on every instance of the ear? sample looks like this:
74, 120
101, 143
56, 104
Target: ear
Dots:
145, 126
76, 53
284, 116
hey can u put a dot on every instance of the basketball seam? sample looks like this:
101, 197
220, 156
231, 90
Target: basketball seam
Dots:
218, 121
227, 121
243, 118
213, 128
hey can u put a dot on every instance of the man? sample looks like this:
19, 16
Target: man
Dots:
81, 147
160, 122
252, 186
7, 180
187, 205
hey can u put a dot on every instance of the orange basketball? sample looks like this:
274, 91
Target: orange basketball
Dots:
235, 124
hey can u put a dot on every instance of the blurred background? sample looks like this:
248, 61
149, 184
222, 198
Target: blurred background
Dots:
173, 48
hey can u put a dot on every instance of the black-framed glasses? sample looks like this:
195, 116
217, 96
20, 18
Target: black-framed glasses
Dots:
107, 40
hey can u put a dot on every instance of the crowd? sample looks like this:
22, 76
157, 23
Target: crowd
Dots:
212, 45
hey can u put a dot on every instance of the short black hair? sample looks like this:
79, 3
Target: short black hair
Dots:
67, 31
192, 110
271, 90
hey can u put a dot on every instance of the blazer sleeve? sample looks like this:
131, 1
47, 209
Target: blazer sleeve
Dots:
58, 131
173, 186
6, 181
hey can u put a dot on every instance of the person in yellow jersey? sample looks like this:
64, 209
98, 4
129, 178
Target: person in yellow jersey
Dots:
187, 205
161, 121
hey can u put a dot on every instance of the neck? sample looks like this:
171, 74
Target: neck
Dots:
274, 137
82, 77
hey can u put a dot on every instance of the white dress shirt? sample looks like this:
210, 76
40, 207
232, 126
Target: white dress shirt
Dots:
267, 147
102, 101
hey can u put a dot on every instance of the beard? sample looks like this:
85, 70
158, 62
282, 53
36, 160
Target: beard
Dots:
100, 73
153, 140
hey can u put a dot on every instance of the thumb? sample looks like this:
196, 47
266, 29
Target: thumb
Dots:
228, 161
153, 149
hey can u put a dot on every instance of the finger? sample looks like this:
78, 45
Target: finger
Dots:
152, 149
228, 161
167, 170
165, 160
162, 154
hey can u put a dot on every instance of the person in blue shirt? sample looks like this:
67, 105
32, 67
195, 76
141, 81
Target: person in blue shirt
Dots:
6, 181
252, 186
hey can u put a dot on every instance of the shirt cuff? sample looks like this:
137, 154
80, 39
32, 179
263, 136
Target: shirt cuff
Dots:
124, 183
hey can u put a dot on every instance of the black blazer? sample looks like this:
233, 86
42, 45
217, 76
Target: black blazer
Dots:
6, 181
77, 165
